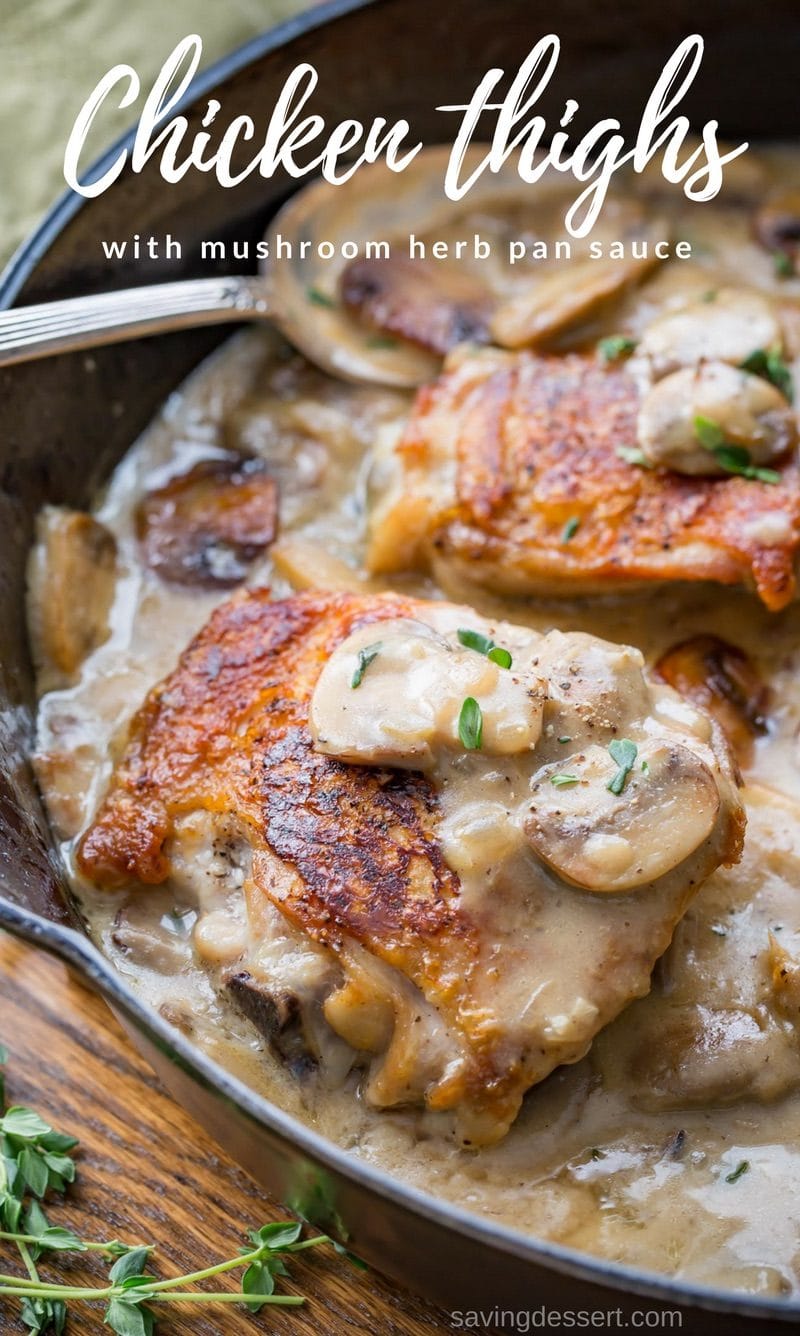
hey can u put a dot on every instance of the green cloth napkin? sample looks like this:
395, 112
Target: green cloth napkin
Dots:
53, 52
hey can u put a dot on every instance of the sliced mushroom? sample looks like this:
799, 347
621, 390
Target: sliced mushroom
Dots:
607, 842
71, 589
307, 565
162, 944
720, 679
435, 306
279, 1015
393, 693
777, 223
206, 527
726, 325
741, 410
571, 293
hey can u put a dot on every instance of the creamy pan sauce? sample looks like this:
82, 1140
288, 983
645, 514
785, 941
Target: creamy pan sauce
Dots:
675, 1144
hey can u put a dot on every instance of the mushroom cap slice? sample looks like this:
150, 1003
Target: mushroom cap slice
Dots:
608, 842
726, 325
721, 679
433, 307
71, 590
205, 527
746, 410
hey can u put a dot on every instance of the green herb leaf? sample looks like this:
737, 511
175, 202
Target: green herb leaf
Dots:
561, 781
257, 1279
783, 264
380, 341
62, 1165
633, 456
132, 1263
129, 1319
570, 529
470, 724
708, 432
58, 1142
24, 1124
60, 1240
624, 752
475, 640
731, 458
735, 459
41, 1315
278, 1235
565, 739
615, 347
741, 1168
769, 364
484, 645
366, 656
318, 298
645, 768
33, 1170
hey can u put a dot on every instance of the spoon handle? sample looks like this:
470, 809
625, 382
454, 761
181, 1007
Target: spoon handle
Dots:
29, 332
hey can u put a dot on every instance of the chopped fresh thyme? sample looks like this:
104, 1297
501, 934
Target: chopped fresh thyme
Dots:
735, 459
570, 529
381, 341
783, 264
366, 656
769, 364
484, 645
708, 432
731, 458
615, 347
741, 1168
470, 724
562, 781
709, 296
318, 298
624, 752
565, 738
645, 768
474, 640
633, 456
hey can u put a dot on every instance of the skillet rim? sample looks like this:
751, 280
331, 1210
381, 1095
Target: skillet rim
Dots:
76, 949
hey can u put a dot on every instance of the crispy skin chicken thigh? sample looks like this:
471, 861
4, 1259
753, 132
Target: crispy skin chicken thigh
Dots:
506, 449
468, 953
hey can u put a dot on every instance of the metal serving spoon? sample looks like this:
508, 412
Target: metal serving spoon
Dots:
297, 295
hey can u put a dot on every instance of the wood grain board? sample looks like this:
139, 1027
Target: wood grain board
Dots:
148, 1173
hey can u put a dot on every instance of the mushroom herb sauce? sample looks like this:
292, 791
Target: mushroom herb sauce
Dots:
634, 1152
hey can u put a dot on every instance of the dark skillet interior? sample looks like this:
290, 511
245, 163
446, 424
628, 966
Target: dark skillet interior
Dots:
65, 422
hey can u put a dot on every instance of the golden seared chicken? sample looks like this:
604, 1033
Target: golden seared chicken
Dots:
462, 845
564, 475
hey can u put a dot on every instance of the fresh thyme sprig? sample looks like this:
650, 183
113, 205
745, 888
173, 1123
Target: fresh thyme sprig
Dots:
34, 1160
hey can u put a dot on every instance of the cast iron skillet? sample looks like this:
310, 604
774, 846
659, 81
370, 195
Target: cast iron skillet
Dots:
65, 422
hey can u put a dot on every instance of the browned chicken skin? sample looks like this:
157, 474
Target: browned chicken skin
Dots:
504, 452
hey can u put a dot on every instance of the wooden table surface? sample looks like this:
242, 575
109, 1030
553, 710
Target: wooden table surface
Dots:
148, 1173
